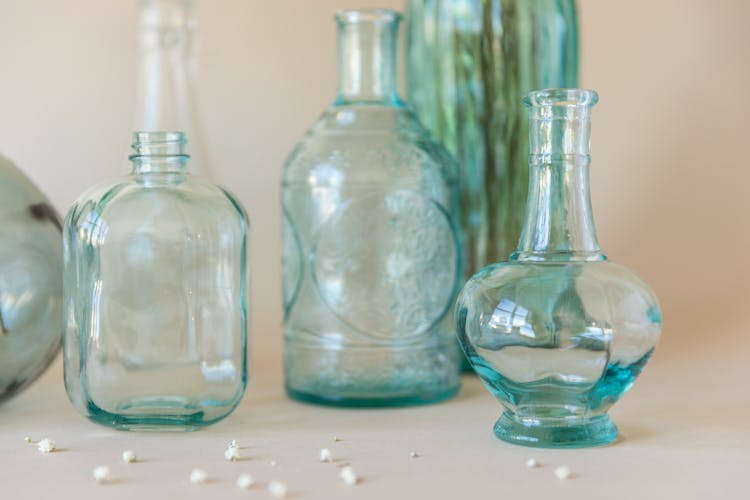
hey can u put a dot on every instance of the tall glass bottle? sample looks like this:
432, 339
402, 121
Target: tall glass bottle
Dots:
166, 71
469, 64
154, 291
371, 257
558, 334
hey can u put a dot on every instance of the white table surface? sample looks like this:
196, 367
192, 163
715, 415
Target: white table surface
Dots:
685, 433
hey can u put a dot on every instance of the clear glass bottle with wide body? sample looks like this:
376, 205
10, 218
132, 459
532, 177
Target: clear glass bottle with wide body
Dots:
371, 255
469, 63
167, 68
558, 334
155, 294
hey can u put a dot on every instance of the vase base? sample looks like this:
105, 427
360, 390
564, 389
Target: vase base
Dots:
596, 431
372, 401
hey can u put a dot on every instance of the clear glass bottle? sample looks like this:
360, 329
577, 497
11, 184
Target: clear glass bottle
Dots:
558, 334
371, 255
166, 70
154, 288
468, 65
30, 281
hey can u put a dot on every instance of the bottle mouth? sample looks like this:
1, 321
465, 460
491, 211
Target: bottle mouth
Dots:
359, 16
561, 98
158, 143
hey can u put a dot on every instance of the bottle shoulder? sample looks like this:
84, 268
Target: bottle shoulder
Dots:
360, 142
149, 198
533, 281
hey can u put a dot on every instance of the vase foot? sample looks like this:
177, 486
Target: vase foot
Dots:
579, 433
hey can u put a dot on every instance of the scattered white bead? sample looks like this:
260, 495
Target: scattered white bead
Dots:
233, 444
414, 454
198, 476
531, 463
349, 476
27, 439
325, 455
562, 472
232, 453
245, 481
46, 445
336, 439
277, 489
101, 474
128, 456
273, 463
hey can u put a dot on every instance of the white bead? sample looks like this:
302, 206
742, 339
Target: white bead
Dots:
349, 476
277, 489
273, 463
46, 445
101, 474
562, 472
414, 454
27, 439
531, 463
325, 455
198, 476
245, 481
233, 444
232, 453
336, 439
128, 456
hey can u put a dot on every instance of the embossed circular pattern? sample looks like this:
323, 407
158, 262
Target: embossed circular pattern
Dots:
386, 264
292, 262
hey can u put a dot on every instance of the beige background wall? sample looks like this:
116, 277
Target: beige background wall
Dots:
670, 179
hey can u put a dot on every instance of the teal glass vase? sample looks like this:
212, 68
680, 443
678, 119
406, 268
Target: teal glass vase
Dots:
468, 66
371, 254
154, 287
558, 333
30, 281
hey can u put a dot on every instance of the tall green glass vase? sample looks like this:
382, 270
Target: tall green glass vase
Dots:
468, 65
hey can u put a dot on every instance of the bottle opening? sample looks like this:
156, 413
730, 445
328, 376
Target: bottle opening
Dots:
561, 97
159, 144
356, 16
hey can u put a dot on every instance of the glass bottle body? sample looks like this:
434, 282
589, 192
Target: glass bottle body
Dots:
469, 64
155, 296
371, 258
30, 281
558, 334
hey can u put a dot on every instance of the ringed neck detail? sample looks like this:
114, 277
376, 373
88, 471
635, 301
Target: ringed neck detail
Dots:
559, 223
159, 152
367, 43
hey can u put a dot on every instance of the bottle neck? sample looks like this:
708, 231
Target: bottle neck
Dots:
367, 42
164, 99
159, 153
559, 222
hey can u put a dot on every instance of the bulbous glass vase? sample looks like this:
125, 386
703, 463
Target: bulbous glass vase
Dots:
30, 281
155, 288
372, 260
558, 334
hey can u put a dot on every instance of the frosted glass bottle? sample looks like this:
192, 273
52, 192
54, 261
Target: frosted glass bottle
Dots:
371, 259
167, 68
154, 291
558, 334
30, 281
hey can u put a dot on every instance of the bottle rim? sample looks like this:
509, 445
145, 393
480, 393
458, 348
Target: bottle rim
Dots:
561, 97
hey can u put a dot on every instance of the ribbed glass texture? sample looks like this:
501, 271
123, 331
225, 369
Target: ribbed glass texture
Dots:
155, 294
30, 281
469, 64
371, 254
558, 334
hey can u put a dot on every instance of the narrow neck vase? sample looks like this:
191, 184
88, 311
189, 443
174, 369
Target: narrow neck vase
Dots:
166, 72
